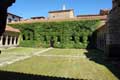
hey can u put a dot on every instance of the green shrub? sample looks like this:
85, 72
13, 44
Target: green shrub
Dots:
67, 34
30, 43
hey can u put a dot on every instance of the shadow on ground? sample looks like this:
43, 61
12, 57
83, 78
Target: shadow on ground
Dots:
99, 57
6, 75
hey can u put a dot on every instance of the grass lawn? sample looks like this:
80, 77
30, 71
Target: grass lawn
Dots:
72, 52
69, 67
19, 51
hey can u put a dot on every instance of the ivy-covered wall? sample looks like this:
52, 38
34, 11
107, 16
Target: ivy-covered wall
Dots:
67, 34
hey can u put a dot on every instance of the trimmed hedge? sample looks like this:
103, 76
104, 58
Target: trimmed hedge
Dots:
67, 34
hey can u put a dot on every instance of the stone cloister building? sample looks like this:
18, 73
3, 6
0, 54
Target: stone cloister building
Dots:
112, 37
10, 38
101, 37
108, 35
113, 31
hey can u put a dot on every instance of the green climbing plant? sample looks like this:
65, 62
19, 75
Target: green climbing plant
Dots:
66, 34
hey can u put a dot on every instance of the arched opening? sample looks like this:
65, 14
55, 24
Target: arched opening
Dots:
12, 40
0, 38
4, 40
16, 40
29, 36
8, 40
23, 37
52, 41
9, 20
58, 39
72, 38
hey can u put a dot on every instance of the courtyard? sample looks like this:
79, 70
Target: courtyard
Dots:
67, 63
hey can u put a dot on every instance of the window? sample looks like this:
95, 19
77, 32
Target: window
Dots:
9, 20
15, 20
53, 16
13, 17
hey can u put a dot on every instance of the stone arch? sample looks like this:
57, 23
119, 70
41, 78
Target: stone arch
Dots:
13, 38
72, 38
8, 40
4, 40
23, 36
28, 34
16, 40
52, 41
44, 38
58, 39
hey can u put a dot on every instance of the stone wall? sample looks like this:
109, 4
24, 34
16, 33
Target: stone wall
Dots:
101, 38
62, 14
113, 31
4, 4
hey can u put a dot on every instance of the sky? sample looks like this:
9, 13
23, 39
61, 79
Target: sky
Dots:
32, 8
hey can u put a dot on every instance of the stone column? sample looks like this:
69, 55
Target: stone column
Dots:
1, 40
19, 38
6, 41
11, 41
15, 41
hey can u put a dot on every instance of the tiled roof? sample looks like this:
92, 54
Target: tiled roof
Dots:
14, 15
11, 29
101, 26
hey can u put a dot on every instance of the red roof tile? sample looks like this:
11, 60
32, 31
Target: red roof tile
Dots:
9, 28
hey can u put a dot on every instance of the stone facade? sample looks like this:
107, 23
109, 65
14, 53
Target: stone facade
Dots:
104, 12
101, 37
113, 31
61, 14
13, 18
